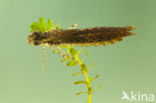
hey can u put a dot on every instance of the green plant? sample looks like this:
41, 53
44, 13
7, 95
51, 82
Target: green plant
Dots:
70, 57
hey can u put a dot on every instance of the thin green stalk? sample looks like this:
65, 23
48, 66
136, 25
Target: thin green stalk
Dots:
79, 62
87, 80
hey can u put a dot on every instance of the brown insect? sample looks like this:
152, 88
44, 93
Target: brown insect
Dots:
94, 36
81, 37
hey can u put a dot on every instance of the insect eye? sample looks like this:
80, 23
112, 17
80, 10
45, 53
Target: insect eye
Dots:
36, 35
34, 38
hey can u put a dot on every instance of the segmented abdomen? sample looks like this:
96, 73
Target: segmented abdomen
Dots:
89, 36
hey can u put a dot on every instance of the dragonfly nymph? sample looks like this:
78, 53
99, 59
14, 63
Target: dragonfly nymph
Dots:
94, 36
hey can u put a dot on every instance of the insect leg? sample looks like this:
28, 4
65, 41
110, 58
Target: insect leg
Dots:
57, 50
44, 58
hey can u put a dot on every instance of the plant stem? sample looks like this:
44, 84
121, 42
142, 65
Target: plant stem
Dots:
79, 62
89, 98
87, 79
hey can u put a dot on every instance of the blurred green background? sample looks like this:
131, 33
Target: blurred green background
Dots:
126, 66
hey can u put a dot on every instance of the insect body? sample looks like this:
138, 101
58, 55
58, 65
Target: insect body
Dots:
80, 37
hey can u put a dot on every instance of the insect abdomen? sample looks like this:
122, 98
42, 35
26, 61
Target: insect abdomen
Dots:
90, 36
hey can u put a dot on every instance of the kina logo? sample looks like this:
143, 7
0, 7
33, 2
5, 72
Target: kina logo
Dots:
138, 97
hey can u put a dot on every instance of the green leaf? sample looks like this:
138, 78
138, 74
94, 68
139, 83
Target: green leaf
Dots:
75, 74
80, 82
73, 51
35, 27
42, 21
92, 79
79, 52
50, 24
71, 63
87, 52
41, 25
79, 93
91, 66
84, 67
97, 76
